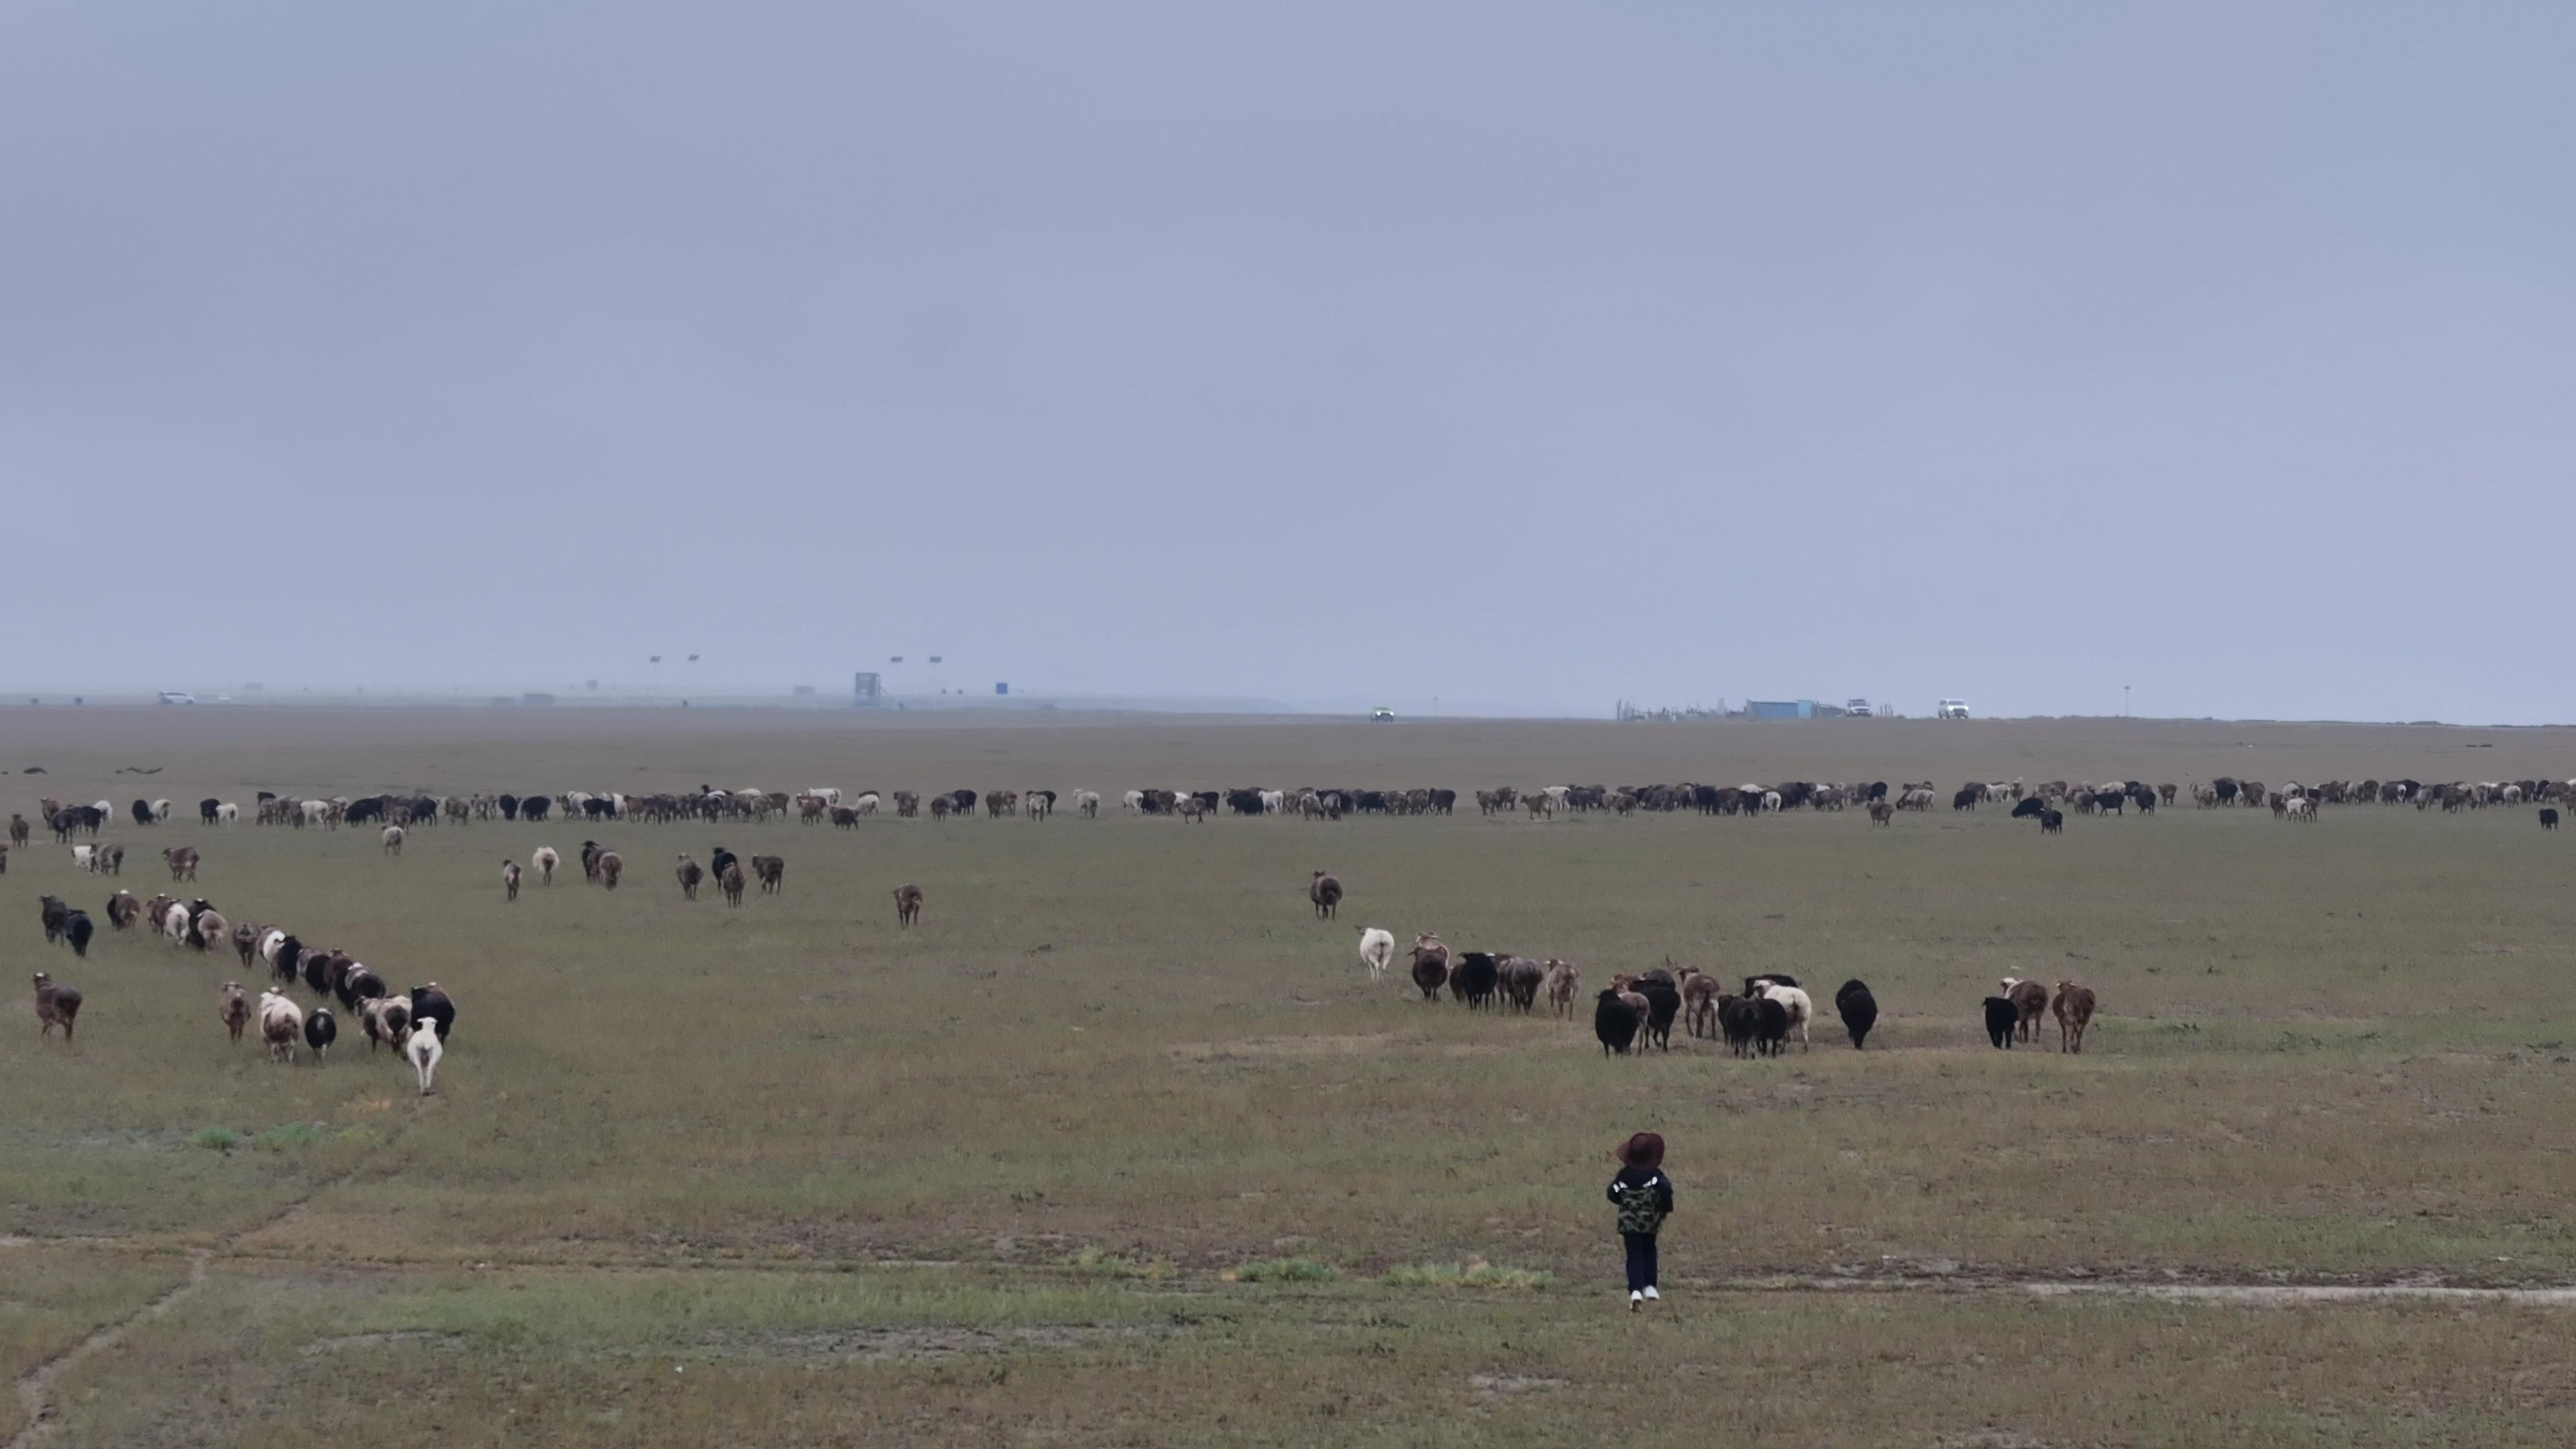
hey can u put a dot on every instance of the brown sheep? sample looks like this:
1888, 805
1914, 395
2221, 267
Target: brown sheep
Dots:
1326, 893
907, 804
246, 941
1564, 983
2030, 999
730, 882
1699, 1003
771, 871
611, 865
236, 1010
2074, 1013
111, 860
123, 910
1881, 813
690, 873
55, 1006
207, 927
907, 904
17, 830
940, 805
182, 861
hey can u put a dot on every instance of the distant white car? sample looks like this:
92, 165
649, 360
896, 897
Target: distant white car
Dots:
173, 696
1954, 709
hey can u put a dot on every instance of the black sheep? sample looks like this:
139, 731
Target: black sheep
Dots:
431, 1005
1859, 1011
509, 807
290, 954
320, 1030
2548, 819
1663, 1003
2001, 1019
1774, 977
1615, 1022
1472, 980
535, 807
1739, 1021
717, 862
52, 911
1430, 973
76, 932
2052, 822
317, 970
207, 809
2029, 807
142, 812
1771, 1027
359, 984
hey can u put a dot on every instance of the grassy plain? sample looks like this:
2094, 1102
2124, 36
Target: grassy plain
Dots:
791, 1170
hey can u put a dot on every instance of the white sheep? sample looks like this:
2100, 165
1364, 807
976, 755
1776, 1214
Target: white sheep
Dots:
1377, 947
545, 860
1793, 1000
281, 1025
424, 1051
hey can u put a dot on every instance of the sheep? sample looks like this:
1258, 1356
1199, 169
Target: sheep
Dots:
123, 910
207, 926
2052, 822
509, 880
423, 1050
1771, 1026
2030, 999
393, 838
1377, 948
320, 1030
430, 1005
2548, 819
1326, 893
174, 922
234, 1010
730, 882
1858, 1009
2074, 1008
281, 1025
1663, 1003
1793, 1001
55, 1006
1088, 803
1699, 1003
52, 911
111, 860
1564, 979
610, 865
771, 871
1472, 978
182, 860
227, 814
2003, 1020
246, 941
1753, 984
385, 1019
690, 873
1740, 1022
1521, 978
1615, 1022
545, 860
85, 859
356, 983
1430, 973
907, 905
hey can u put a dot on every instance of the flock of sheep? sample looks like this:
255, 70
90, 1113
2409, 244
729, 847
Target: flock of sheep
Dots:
415, 1025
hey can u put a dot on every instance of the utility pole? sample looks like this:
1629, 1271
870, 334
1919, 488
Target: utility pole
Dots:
2124, 701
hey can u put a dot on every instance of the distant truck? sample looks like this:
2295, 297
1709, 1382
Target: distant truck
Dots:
1954, 709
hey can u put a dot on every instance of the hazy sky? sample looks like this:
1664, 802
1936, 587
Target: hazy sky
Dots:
1532, 355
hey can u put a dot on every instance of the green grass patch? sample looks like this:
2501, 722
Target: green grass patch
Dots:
291, 1134
1473, 1274
220, 1139
1285, 1270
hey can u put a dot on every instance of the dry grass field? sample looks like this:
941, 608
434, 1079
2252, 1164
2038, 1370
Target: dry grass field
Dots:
788, 1175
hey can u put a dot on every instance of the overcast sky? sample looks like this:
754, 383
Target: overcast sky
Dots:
1530, 356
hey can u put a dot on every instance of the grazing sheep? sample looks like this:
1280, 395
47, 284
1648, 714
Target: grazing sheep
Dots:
385, 1019
2052, 822
1615, 1021
1430, 973
1699, 1003
2548, 819
356, 983
1739, 1021
907, 904
182, 861
281, 1025
17, 829
1326, 893
2003, 1021
1753, 984
423, 1050
52, 911
1377, 948
771, 871
1663, 1003
1088, 803
509, 880
227, 814
1564, 979
2074, 1009
110, 860
123, 910
1859, 1011
690, 873
545, 860
1793, 1001
430, 1005
1521, 978
235, 1011
730, 882
246, 941
393, 838
174, 922
610, 865
85, 859
1770, 1026
55, 1006
207, 927
1881, 813
320, 1030
2031, 1000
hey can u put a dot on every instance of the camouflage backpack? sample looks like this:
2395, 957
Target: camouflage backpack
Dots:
1639, 1211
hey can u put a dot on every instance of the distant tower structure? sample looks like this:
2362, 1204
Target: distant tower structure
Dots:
869, 690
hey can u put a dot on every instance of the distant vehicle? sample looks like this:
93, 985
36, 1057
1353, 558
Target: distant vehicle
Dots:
173, 696
1381, 712
1954, 709
1856, 708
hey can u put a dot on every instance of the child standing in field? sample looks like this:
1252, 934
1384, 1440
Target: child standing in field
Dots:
1644, 1197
